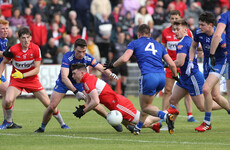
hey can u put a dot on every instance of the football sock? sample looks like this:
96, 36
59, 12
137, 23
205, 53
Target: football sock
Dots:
58, 117
139, 125
43, 126
9, 112
123, 87
189, 115
161, 114
207, 118
229, 111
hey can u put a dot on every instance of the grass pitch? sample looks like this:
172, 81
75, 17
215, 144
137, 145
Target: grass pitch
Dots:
93, 132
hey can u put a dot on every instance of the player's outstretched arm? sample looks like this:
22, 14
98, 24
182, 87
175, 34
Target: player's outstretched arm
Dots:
93, 102
66, 80
124, 58
35, 71
180, 59
192, 50
171, 64
107, 72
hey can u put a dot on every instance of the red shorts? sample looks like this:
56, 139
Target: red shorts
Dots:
169, 74
32, 86
122, 104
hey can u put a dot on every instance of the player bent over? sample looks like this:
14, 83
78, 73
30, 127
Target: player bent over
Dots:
26, 62
99, 91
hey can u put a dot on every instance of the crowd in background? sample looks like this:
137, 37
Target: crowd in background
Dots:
56, 24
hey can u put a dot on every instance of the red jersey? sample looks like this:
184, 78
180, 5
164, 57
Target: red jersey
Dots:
169, 38
108, 97
24, 60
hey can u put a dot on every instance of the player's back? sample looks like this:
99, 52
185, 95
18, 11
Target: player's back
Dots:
149, 54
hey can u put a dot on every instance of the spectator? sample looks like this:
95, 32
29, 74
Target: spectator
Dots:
181, 6
1, 16
217, 11
191, 24
194, 12
82, 8
28, 16
155, 34
66, 42
53, 8
49, 52
116, 14
149, 7
127, 22
93, 50
117, 50
72, 21
17, 21
6, 8
159, 14
100, 7
103, 34
74, 34
130, 5
142, 13
135, 29
57, 19
61, 53
12, 40
40, 8
209, 5
54, 33
39, 31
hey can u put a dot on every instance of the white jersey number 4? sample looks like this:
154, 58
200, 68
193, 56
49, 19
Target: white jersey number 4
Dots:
151, 47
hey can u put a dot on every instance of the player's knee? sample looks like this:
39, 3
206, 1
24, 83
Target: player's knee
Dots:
205, 91
201, 109
173, 101
167, 91
51, 108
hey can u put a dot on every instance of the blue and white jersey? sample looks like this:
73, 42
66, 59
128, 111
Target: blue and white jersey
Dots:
148, 53
183, 47
205, 41
3, 46
69, 59
225, 19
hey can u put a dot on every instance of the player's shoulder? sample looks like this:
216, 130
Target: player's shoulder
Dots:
166, 30
34, 46
198, 32
15, 47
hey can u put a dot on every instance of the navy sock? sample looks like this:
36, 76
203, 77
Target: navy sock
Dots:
139, 125
161, 114
43, 126
229, 111
207, 116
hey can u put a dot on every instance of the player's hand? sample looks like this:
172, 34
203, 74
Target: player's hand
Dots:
109, 65
176, 78
79, 112
18, 74
113, 76
212, 61
189, 67
8, 54
80, 96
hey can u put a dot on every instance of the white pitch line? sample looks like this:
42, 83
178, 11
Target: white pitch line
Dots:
122, 140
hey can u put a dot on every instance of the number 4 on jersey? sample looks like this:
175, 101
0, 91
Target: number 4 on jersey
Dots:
151, 47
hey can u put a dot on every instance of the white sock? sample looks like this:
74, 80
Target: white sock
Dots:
9, 112
190, 116
58, 117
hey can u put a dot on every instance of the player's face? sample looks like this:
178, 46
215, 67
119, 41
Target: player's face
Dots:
180, 31
174, 18
80, 52
205, 27
76, 75
25, 40
4, 29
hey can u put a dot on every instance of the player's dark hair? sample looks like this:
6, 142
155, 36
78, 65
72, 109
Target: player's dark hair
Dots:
144, 29
207, 17
78, 66
24, 30
180, 22
174, 12
80, 42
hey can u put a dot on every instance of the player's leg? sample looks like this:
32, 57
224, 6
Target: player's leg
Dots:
167, 93
11, 94
3, 87
228, 90
188, 105
124, 74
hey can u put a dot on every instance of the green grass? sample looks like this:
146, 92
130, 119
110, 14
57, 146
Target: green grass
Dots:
93, 132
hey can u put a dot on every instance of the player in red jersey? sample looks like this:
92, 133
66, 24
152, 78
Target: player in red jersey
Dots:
99, 91
26, 65
170, 41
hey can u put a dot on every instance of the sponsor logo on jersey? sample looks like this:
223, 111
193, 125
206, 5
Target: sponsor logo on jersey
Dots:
223, 45
172, 45
168, 36
179, 46
94, 62
23, 64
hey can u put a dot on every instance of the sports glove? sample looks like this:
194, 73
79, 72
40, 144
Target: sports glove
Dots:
109, 65
79, 112
212, 61
176, 78
18, 74
8, 54
80, 96
114, 76
189, 67
0, 80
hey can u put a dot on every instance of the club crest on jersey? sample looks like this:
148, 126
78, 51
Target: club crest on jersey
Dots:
179, 46
31, 56
94, 62
24, 56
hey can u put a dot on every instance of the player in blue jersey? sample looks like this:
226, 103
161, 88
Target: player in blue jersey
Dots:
223, 25
191, 80
212, 74
65, 81
4, 28
149, 54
